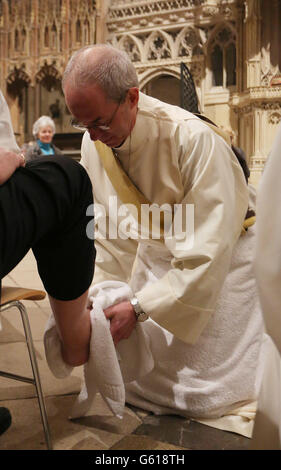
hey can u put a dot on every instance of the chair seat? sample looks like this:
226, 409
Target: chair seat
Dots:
10, 294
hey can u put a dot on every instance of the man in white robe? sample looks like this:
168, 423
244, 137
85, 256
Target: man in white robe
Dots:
206, 346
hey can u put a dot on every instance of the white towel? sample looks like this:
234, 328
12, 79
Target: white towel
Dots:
108, 367
52, 345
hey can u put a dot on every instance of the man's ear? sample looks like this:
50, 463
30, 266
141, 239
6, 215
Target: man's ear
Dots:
133, 96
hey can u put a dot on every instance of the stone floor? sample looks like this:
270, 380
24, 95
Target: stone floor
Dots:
139, 430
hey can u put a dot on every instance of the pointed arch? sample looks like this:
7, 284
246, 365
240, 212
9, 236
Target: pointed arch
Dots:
86, 32
46, 37
78, 31
17, 40
189, 43
163, 84
54, 33
23, 38
218, 33
217, 65
158, 46
132, 46
221, 54
230, 63
17, 80
49, 77
151, 74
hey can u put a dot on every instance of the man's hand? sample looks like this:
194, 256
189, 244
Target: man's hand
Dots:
122, 320
9, 162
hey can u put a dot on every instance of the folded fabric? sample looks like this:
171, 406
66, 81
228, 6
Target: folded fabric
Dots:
217, 379
240, 420
108, 366
52, 345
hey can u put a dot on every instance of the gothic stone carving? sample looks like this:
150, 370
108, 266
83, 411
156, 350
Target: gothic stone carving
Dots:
274, 118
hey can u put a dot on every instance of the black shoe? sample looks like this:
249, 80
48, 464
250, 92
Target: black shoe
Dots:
5, 419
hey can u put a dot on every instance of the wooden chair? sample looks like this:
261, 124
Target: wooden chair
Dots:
11, 297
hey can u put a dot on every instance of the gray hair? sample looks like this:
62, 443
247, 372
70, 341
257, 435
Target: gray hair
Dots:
104, 65
43, 121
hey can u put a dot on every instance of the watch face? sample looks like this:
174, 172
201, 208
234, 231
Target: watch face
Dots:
142, 316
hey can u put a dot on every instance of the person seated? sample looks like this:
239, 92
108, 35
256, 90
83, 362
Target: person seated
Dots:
43, 206
43, 131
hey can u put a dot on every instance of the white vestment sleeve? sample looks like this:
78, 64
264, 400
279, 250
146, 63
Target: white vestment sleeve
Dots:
7, 137
183, 300
268, 246
267, 265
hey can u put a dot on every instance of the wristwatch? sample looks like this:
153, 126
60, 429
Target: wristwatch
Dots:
140, 314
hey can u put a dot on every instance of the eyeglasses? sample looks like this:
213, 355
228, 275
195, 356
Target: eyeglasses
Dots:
100, 127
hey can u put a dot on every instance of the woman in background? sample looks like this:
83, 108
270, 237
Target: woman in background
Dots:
43, 131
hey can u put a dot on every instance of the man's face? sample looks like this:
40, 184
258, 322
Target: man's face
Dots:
106, 120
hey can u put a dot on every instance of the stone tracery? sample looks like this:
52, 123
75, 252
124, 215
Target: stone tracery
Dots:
189, 43
158, 35
222, 52
191, 32
130, 45
158, 46
36, 39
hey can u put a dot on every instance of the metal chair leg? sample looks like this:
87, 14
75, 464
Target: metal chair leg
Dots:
33, 360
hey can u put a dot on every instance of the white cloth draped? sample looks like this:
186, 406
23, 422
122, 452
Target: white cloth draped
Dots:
108, 368
220, 375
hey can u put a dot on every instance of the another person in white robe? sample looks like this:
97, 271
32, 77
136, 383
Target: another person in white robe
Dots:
267, 431
205, 324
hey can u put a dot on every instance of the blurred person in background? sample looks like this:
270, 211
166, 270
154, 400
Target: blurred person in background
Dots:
43, 131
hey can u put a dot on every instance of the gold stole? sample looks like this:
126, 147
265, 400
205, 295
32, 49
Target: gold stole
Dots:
124, 187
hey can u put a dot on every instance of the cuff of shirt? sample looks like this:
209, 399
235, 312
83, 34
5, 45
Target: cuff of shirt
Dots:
186, 322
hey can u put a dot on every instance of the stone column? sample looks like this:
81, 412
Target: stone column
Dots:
253, 42
240, 53
4, 43
102, 7
65, 27
276, 24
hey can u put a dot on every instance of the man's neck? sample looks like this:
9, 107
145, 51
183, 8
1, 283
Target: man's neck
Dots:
120, 145
133, 122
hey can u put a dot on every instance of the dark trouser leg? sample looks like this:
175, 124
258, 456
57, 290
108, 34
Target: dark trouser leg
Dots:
5, 419
43, 206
